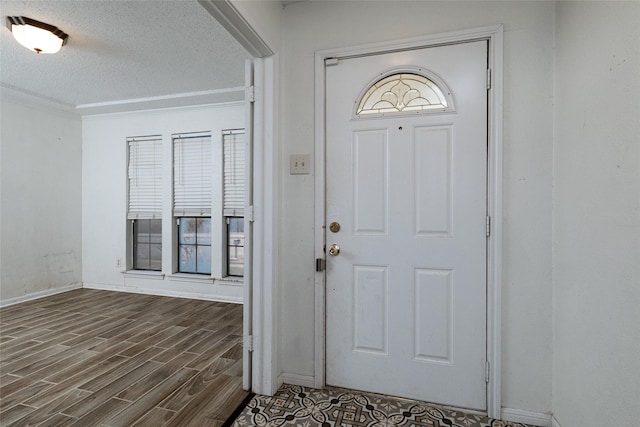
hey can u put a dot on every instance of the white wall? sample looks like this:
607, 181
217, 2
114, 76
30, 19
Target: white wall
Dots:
311, 26
41, 199
265, 17
596, 363
104, 197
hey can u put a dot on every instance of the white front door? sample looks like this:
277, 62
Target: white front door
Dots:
406, 294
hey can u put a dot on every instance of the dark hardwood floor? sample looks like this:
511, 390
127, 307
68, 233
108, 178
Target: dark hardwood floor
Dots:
100, 358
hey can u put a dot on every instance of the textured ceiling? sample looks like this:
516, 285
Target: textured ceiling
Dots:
124, 51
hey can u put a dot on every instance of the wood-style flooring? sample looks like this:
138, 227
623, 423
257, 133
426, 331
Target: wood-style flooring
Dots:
100, 358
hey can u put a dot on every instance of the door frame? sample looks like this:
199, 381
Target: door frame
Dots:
260, 332
494, 35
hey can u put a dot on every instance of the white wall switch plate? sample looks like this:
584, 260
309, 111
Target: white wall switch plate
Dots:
300, 164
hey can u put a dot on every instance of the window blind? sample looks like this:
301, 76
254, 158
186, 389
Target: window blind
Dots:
234, 175
145, 177
192, 172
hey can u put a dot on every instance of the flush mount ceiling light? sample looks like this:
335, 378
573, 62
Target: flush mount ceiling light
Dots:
35, 35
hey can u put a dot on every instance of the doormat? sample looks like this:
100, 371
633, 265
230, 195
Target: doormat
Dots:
302, 406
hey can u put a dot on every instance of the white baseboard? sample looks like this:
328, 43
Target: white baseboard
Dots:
554, 422
527, 417
162, 292
38, 295
301, 380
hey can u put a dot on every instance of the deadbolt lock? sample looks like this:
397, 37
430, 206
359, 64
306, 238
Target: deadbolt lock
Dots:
334, 227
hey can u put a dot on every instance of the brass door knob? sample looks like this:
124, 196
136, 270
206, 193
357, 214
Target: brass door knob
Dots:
334, 250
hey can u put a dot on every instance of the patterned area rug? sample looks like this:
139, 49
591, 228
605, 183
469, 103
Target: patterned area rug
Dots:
305, 407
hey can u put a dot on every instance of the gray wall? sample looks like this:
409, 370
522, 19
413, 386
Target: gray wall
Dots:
596, 346
528, 144
41, 199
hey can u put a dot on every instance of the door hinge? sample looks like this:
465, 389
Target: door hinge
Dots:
321, 264
488, 78
251, 214
488, 226
248, 342
251, 93
330, 61
487, 371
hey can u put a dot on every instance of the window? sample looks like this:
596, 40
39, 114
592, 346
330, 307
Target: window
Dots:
234, 199
147, 244
405, 92
145, 202
194, 245
207, 189
235, 246
192, 197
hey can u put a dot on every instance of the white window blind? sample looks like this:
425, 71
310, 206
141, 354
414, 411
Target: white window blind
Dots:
145, 177
192, 172
234, 176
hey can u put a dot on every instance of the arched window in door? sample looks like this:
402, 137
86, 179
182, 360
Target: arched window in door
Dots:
409, 91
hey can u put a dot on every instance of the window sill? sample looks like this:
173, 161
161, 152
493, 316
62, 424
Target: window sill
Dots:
231, 281
156, 275
198, 278
186, 277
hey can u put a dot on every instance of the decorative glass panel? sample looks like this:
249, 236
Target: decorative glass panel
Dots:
402, 92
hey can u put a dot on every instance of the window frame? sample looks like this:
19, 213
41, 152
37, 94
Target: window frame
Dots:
227, 220
232, 210
170, 242
135, 261
201, 212
196, 244
130, 260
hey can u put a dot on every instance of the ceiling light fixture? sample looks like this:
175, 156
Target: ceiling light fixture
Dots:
35, 35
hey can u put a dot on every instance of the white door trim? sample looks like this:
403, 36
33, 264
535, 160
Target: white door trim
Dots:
247, 314
494, 35
232, 20
264, 375
260, 316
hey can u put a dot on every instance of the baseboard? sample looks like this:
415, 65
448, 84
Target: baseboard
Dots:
554, 422
38, 295
301, 380
162, 292
527, 417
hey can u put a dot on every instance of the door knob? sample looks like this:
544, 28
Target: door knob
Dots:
334, 250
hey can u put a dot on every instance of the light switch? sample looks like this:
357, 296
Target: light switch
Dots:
300, 164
